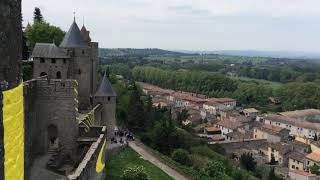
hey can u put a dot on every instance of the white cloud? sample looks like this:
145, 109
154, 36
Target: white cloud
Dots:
190, 24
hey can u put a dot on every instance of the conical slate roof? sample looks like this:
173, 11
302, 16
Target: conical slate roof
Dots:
73, 38
105, 88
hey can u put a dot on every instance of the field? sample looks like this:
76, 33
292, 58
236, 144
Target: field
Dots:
128, 158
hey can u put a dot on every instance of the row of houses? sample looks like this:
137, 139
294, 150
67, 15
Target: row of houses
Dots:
182, 99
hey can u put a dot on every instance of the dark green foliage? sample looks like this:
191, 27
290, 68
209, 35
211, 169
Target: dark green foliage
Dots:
315, 169
25, 50
181, 116
136, 118
273, 161
37, 16
43, 32
247, 162
135, 173
273, 176
181, 156
299, 96
27, 70
216, 170
192, 81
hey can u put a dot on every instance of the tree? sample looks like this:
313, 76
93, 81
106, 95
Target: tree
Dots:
37, 16
181, 156
315, 169
42, 32
272, 160
247, 162
135, 173
136, 116
215, 169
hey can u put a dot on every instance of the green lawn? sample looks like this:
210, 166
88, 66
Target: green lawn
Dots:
128, 158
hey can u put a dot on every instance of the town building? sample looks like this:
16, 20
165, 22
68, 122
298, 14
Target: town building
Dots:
227, 126
299, 128
301, 175
250, 113
271, 133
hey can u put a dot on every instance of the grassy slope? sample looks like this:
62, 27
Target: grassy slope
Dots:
129, 158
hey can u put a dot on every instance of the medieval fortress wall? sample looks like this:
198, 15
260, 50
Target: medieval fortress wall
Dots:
59, 128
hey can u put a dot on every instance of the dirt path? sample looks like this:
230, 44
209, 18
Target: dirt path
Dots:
149, 157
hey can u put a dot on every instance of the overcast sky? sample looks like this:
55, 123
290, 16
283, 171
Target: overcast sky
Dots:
292, 25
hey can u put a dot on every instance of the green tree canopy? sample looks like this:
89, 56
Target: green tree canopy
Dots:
181, 156
247, 162
43, 32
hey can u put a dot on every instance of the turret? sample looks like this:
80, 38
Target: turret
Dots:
106, 97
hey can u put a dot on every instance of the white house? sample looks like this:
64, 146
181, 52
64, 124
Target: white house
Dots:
297, 127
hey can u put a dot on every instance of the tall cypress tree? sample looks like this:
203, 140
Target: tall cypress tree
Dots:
37, 16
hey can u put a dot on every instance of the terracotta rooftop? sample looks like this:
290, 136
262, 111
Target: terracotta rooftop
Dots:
293, 121
314, 157
272, 129
297, 156
221, 100
212, 129
154, 88
301, 113
251, 110
229, 124
189, 97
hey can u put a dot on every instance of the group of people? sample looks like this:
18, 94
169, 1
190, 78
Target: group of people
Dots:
123, 136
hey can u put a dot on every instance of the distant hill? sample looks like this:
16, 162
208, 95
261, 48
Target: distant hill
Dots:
106, 52
255, 53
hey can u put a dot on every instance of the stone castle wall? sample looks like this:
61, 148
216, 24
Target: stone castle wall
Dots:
50, 102
93, 164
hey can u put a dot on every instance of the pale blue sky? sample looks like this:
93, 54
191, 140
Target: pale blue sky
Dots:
292, 25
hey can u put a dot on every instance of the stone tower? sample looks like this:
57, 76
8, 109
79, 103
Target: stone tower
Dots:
76, 58
106, 97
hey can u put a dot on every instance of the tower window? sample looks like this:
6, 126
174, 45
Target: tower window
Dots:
58, 75
42, 60
53, 61
79, 71
109, 98
83, 51
43, 74
64, 61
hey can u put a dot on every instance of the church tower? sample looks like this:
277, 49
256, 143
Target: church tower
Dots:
106, 97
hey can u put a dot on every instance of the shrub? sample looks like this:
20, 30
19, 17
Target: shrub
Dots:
135, 173
215, 169
181, 156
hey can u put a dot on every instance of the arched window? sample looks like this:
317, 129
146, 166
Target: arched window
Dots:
43, 74
58, 75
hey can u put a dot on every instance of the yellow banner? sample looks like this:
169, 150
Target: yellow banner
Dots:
13, 124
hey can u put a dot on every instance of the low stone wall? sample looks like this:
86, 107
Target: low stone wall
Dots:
231, 146
93, 164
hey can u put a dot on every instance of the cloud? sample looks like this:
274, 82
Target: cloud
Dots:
190, 24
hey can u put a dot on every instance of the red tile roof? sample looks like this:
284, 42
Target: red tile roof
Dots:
293, 121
